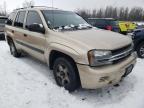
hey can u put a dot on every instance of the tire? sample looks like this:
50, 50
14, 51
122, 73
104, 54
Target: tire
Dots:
140, 50
13, 50
66, 74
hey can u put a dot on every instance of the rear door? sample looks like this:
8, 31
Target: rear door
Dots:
18, 30
34, 42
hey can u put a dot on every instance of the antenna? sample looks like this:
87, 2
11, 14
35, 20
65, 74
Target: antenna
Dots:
53, 13
5, 7
52, 3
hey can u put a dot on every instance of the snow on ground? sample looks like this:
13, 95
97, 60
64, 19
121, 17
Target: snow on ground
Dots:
28, 83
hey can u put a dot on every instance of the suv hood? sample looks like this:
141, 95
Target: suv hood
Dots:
98, 39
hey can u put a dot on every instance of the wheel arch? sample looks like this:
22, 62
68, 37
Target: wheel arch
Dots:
54, 54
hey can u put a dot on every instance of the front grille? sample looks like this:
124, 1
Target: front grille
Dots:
117, 51
121, 54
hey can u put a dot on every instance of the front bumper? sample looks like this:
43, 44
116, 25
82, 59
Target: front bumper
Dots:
98, 77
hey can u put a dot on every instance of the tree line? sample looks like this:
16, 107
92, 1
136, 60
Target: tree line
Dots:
25, 4
120, 13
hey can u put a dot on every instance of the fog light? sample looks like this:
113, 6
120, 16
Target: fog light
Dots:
103, 79
128, 70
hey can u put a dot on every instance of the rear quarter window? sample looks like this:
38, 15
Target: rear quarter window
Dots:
11, 18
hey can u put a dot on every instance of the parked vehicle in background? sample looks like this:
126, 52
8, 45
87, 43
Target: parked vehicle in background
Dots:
2, 26
104, 23
78, 54
126, 27
131, 26
123, 27
138, 38
139, 25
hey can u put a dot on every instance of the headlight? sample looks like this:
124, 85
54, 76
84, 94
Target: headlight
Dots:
99, 57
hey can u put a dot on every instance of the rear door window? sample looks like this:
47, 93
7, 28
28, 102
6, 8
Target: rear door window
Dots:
19, 21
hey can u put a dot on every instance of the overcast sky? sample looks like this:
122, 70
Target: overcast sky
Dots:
75, 4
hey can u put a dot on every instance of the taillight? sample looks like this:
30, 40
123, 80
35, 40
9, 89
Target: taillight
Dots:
109, 27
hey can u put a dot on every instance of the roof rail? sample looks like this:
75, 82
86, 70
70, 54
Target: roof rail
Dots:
19, 8
42, 6
36, 7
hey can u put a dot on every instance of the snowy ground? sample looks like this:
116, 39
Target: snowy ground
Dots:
28, 83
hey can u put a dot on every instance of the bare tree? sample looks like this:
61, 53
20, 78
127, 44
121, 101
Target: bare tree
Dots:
100, 13
28, 3
84, 13
122, 13
3, 11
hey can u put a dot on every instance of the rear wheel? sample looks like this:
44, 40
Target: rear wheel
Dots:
13, 50
140, 50
66, 74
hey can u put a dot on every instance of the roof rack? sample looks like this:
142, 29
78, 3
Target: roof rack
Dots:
37, 7
19, 8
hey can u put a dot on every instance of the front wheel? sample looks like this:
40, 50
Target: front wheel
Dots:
66, 74
140, 50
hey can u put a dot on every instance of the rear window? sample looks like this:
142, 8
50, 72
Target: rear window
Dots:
2, 20
112, 22
97, 22
102, 22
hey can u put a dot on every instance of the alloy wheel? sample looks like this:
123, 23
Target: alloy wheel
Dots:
62, 75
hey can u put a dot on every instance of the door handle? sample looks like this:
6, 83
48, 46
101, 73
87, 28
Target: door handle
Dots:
25, 35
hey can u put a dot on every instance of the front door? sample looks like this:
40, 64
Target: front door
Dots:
34, 42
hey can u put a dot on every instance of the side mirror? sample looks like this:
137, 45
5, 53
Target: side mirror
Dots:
36, 28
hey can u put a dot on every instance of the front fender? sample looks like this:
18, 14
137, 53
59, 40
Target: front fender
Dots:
64, 49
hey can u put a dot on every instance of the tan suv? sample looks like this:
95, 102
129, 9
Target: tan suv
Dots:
78, 54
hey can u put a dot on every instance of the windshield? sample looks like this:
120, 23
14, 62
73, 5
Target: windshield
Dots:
64, 19
2, 20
